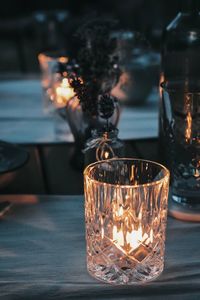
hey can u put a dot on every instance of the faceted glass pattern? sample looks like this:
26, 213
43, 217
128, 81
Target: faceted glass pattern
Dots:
125, 214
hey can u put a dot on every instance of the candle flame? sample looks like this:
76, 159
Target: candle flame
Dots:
131, 240
120, 211
64, 92
63, 59
118, 236
126, 235
106, 154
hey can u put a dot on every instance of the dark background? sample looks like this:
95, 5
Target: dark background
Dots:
26, 26
130, 12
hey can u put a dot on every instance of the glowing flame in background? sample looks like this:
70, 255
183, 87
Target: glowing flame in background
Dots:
64, 92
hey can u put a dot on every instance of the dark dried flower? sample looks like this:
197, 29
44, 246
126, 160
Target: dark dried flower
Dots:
106, 106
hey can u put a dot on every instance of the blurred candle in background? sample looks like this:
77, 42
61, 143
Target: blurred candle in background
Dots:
63, 93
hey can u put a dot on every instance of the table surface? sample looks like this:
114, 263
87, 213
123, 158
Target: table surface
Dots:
22, 117
42, 255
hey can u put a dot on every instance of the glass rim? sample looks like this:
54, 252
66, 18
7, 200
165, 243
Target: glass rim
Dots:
53, 55
162, 167
172, 89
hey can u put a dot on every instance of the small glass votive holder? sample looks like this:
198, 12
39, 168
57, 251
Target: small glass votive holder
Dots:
49, 62
56, 89
125, 213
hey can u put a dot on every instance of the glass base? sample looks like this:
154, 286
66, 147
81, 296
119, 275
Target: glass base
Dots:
114, 268
182, 211
131, 278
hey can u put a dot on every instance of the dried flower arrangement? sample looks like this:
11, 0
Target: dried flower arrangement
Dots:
96, 71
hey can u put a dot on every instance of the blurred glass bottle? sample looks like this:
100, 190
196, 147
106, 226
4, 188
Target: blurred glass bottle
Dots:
181, 43
179, 130
180, 52
140, 66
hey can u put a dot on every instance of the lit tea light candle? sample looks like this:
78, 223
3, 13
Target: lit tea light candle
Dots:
125, 236
64, 92
128, 241
125, 212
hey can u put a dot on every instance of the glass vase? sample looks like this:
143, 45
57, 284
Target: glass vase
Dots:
180, 138
81, 125
181, 43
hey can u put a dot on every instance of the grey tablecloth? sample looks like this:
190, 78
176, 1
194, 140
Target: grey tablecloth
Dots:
42, 255
22, 117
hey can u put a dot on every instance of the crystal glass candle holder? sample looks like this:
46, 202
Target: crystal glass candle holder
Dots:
125, 213
49, 62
